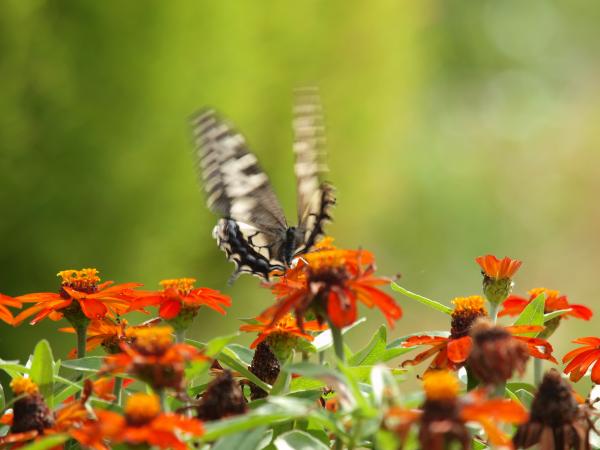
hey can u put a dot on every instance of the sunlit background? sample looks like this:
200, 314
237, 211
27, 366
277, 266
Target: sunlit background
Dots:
454, 129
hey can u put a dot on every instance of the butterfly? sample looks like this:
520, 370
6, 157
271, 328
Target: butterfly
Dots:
253, 231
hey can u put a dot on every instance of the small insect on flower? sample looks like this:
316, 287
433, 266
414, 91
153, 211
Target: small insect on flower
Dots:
514, 305
557, 421
81, 298
142, 423
329, 282
179, 301
452, 351
444, 415
497, 276
31, 418
154, 358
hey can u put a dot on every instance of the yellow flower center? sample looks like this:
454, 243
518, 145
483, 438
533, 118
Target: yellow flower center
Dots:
287, 321
182, 285
22, 385
474, 303
141, 408
550, 293
440, 385
151, 340
84, 279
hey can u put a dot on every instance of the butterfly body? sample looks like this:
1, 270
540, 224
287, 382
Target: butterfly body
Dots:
253, 231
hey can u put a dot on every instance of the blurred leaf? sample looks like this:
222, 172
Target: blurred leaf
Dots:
214, 346
533, 314
232, 360
13, 368
87, 364
42, 370
478, 445
2, 398
514, 386
525, 397
47, 442
255, 439
298, 440
383, 384
424, 300
551, 315
373, 352
244, 353
386, 440
324, 340
300, 384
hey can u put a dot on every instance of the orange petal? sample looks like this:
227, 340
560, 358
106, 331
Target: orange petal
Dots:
93, 309
341, 308
169, 309
459, 349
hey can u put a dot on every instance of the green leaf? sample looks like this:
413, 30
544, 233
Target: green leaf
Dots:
42, 370
373, 352
515, 386
424, 300
246, 440
47, 442
232, 360
533, 314
13, 368
214, 346
551, 315
2, 398
87, 364
525, 397
243, 353
324, 340
300, 384
383, 384
298, 440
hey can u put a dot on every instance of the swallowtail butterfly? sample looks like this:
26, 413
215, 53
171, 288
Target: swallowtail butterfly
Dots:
253, 231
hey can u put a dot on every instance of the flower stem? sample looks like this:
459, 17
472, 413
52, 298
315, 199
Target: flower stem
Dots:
537, 371
338, 341
162, 395
180, 336
81, 331
117, 390
494, 311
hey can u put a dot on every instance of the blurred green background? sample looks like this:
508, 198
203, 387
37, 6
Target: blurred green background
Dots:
454, 129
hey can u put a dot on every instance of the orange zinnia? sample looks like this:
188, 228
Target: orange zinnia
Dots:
31, 418
284, 329
154, 358
581, 359
142, 423
5, 314
81, 297
498, 268
514, 305
443, 416
179, 295
108, 333
330, 281
453, 350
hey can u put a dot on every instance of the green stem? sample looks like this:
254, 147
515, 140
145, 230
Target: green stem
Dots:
180, 336
305, 357
118, 389
472, 381
494, 311
162, 395
338, 341
81, 332
537, 371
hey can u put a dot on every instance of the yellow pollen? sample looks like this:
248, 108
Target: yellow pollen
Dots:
440, 385
151, 339
182, 285
474, 303
287, 321
79, 279
325, 259
22, 385
550, 293
142, 408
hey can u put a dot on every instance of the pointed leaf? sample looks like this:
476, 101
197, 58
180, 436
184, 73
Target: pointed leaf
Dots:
87, 364
373, 352
424, 300
298, 440
246, 440
533, 314
42, 370
324, 340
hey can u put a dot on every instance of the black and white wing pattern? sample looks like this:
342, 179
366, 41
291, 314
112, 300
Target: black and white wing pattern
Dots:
253, 231
315, 198
252, 228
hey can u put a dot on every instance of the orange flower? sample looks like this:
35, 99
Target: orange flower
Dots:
154, 358
444, 416
143, 423
108, 333
581, 359
5, 314
453, 350
498, 269
329, 281
32, 419
81, 297
514, 305
179, 294
285, 328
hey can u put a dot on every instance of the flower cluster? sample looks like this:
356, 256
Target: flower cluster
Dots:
153, 388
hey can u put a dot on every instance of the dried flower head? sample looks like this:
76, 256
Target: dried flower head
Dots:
265, 366
223, 398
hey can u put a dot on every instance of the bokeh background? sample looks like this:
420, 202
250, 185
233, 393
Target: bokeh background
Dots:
454, 129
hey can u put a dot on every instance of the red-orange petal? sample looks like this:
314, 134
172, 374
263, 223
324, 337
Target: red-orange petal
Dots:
169, 309
93, 309
459, 349
341, 308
